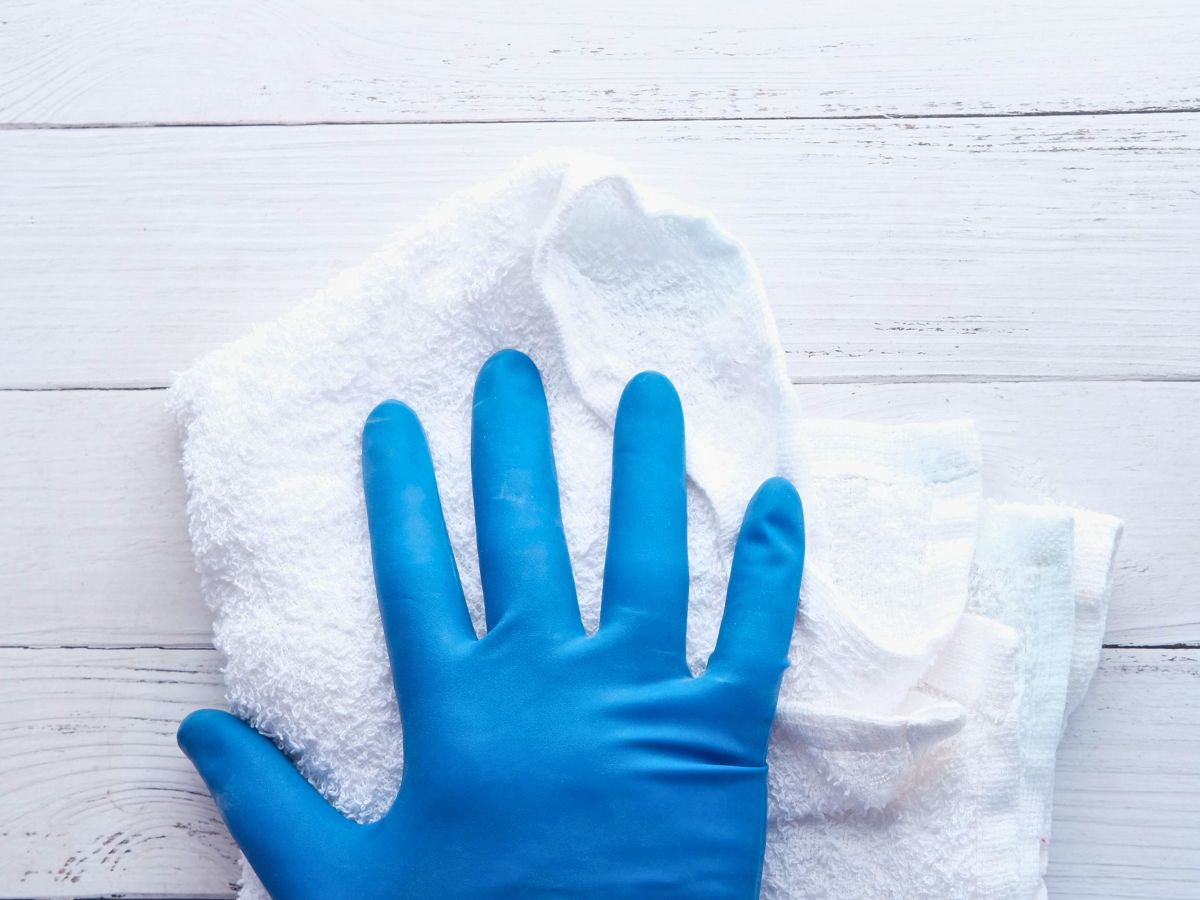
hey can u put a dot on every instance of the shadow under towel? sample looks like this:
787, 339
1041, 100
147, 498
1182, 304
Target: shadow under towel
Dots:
941, 640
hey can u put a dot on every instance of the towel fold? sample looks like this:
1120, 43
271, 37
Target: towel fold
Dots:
942, 640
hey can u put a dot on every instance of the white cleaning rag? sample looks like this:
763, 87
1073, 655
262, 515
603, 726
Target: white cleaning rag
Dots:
901, 706
974, 819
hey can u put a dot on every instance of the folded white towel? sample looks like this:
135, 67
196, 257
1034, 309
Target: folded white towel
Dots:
914, 747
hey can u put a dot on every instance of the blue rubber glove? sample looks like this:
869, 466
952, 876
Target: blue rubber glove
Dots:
541, 761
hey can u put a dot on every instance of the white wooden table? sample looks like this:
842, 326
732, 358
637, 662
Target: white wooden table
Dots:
989, 210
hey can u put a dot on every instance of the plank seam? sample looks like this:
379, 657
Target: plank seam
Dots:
103, 646
831, 380
116, 645
855, 117
125, 896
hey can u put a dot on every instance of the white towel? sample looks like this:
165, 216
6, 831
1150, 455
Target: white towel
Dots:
929, 682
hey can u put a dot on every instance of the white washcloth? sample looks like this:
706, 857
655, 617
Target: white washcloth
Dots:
900, 704
974, 819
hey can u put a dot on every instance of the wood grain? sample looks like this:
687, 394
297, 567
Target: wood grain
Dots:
95, 797
93, 534
96, 800
963, 250
76, 62
1127, 793
94, 550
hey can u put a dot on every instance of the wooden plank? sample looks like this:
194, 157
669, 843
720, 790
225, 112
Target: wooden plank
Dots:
70, 61
966, 249
95, 797
93, 545
96, 800
1127, 792
93, 533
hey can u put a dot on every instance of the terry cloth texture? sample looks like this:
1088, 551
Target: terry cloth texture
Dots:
941, 642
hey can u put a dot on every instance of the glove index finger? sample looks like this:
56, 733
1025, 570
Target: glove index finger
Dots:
416, 578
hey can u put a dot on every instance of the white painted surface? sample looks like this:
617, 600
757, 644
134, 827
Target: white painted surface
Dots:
1036, 247
94, 548
75, 61
1037, 272
98, 800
